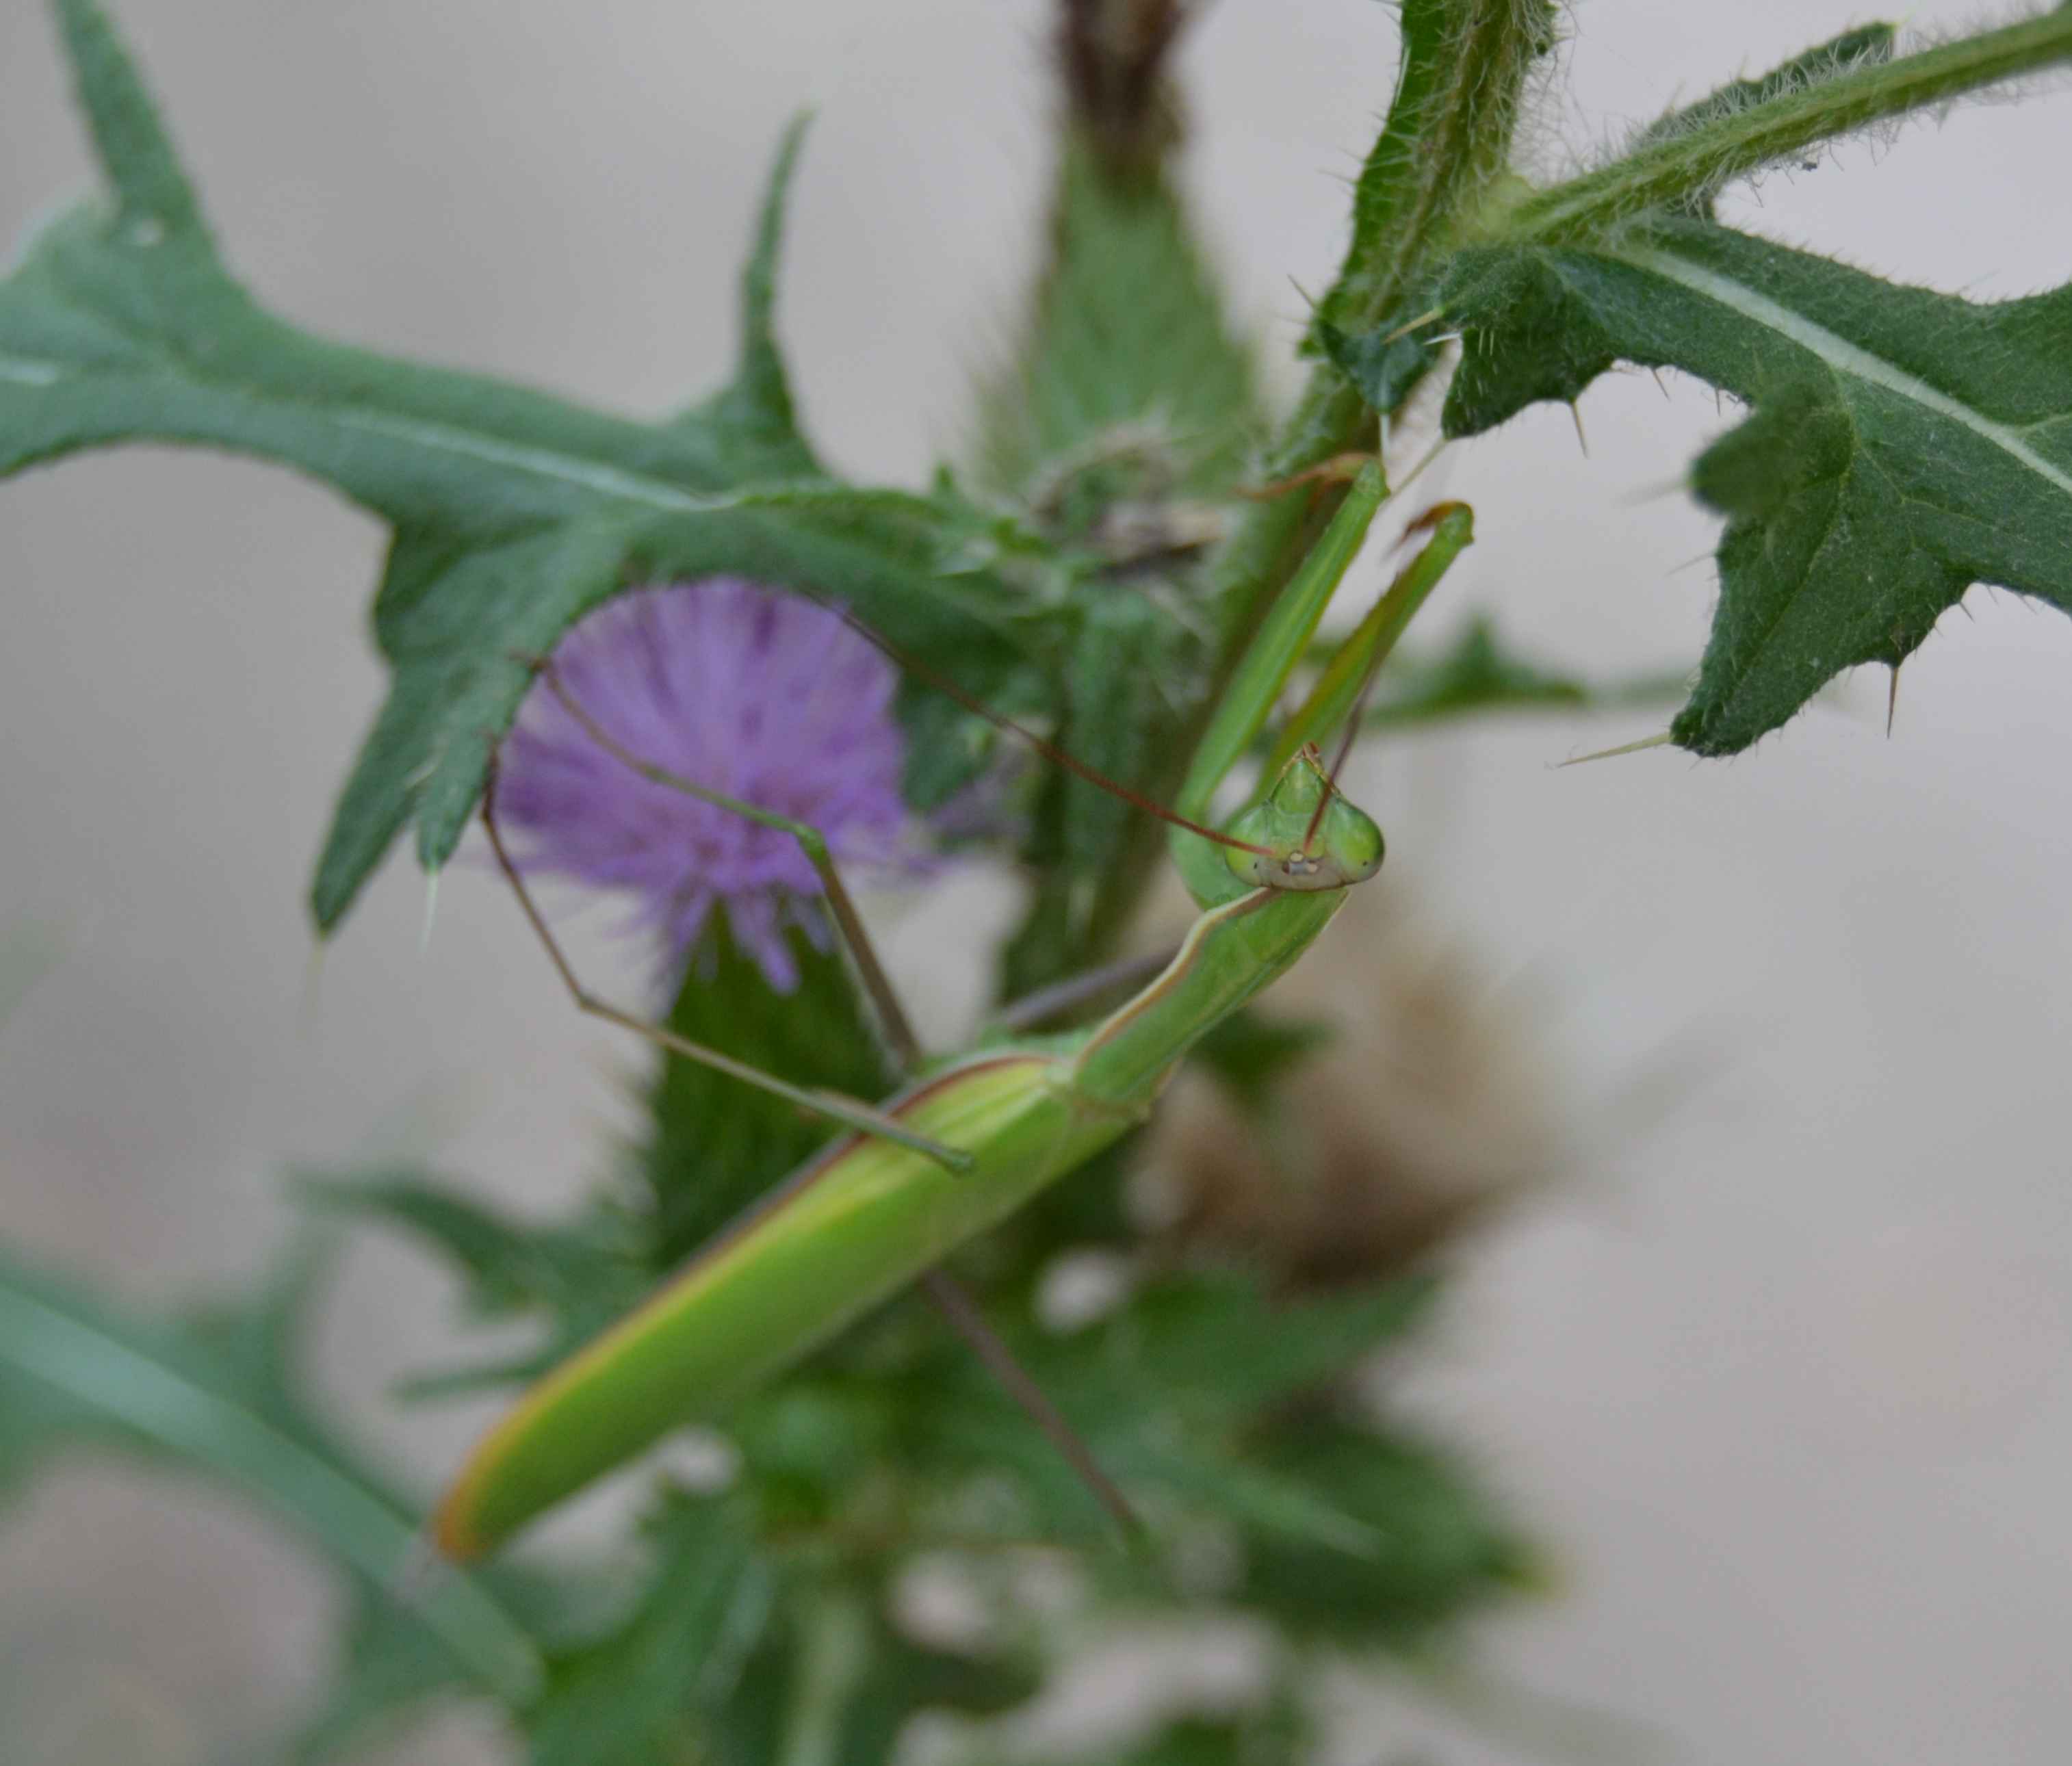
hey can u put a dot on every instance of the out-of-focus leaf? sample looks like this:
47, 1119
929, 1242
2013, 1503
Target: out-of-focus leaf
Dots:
575, 1276
1090, 847
1278, 1736
1904, 444
509, 1265
1436, 1546
753, 413
394, 1672
641, 1694
1214, 1340
713, 1144
1479, 672
221, 1394
391, 1671
513, 512
1127, 339
1168, 1389
905, 1678
886, 1682
1249, 1051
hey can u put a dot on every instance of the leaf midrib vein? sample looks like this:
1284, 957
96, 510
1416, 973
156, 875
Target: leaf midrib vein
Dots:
1845, 357
170, 1407
612, 482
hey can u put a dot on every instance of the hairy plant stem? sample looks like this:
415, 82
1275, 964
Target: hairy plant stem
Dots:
1699, 162
1447, 140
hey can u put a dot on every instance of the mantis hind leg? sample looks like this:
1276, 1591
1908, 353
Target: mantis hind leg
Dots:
953, 1300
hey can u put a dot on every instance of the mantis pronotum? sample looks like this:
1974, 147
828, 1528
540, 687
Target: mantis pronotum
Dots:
967, 1142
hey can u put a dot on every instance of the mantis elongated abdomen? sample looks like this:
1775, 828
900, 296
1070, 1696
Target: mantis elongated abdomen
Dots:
861, 1220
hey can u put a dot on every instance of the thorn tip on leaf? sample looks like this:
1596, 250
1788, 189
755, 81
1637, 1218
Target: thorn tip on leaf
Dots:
1661, 740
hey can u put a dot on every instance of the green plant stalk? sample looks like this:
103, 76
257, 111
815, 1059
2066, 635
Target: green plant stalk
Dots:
1447, 139
834, 1656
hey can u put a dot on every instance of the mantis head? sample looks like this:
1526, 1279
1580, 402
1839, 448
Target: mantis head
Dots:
1317, 839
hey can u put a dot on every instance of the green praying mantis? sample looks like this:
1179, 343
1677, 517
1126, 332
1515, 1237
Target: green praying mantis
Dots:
972, 1137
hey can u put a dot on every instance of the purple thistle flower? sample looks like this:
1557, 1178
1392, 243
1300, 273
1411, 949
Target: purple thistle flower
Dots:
765, 696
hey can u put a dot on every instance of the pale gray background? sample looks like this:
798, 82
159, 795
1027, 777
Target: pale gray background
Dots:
1785, 1376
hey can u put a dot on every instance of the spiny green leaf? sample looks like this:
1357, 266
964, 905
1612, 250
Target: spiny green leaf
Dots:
127, 133
754, 412
1904, 444
221, 1394
1126, 342
1170, 1390
1384, 364
1437, 1546
513, 511
1129, 401
575, 1276
1124, 654
510, 1265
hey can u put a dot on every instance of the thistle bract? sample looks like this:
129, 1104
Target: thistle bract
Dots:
764, 696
